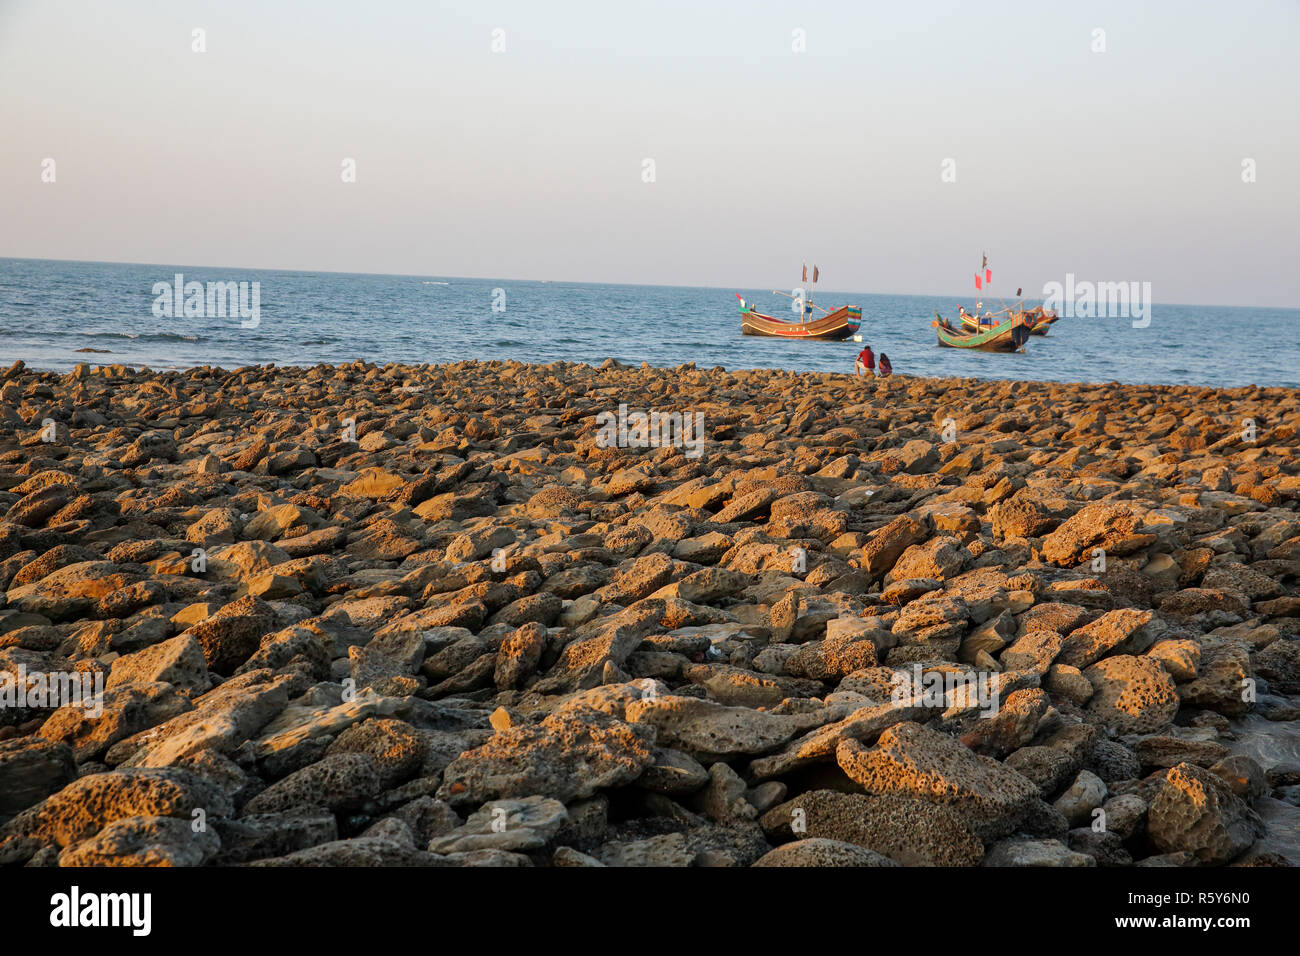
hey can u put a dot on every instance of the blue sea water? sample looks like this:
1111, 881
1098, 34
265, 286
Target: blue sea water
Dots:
50, 309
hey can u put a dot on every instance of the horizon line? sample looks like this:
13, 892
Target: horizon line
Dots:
651, 285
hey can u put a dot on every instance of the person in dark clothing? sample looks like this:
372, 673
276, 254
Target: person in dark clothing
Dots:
866, 363
885, 367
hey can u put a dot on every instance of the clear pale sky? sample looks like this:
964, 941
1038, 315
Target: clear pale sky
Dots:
1122, 165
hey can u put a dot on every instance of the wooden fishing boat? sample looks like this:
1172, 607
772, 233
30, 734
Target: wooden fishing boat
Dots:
832, 327
1040, 320
1005, 330
1008, 336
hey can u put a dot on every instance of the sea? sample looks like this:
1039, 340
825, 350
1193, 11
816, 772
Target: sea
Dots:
53, 312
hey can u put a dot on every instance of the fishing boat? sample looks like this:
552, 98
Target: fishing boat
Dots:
1006, 330
1040, 320
1008, 336
832, 326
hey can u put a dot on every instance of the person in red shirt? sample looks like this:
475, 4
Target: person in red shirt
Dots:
866, 363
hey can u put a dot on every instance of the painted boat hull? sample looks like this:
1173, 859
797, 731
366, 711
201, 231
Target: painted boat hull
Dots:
840, 324
1010, 336
1037, 320
1042, 321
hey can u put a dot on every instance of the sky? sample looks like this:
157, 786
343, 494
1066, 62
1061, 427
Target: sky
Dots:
902, 142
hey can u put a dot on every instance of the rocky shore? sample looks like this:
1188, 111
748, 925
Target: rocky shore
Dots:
484, 614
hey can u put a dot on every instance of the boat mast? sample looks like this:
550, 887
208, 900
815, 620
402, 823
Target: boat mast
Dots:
811, 289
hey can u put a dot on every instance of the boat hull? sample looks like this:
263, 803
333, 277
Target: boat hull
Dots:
1010, 336
1042, 321
837, 326
1037, 320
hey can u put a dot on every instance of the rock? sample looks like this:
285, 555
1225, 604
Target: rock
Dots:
840, 654
903, 592
566, 756
568, 856
912, 760
229, 637
667, 850
823, 852
1051, 853
1279, 664
1195, 811
673, 772
1090, 643
264, 835
338, 782
709, 584
519, 655
87, 805
1180, 658
222, 720
1112, 761
360, 851
1124, 815
582, 662
886, 546
32, 769
1035, 651
1226, 677
118, 714
179, 662
911, 832
709, 731
1112, 528
864, 724
1086, 794
735, 686
1132, 695
1021, 518
723, 798
1163, 752
524, 824
1105, 847
1243, 775
640, 579
145, 841
1068, 683
396, 748
940, 558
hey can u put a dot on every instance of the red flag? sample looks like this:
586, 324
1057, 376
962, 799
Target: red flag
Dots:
805, 272
978, 284
815, 272
988, 275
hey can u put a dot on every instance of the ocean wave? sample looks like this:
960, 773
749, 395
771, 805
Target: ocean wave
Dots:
143, 336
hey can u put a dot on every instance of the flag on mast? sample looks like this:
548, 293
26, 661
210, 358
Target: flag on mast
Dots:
815, 273
805, 272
